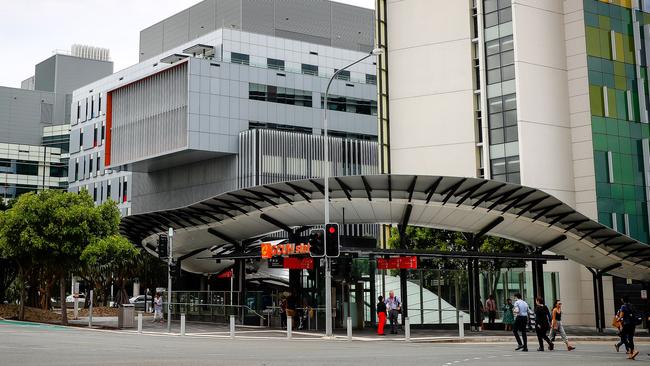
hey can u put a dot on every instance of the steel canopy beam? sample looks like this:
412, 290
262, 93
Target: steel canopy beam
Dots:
367, 187
552, 243
491, 225
223, 237
276, 223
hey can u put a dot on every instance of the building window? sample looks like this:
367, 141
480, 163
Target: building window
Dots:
76, 170
24, 167
81, 139
274, 94
97, 162
496, 12
255, 125
275, 64
239, 58
124, 191
99, 106
78, 111
92, 107
103, 131
343, 75
503, 119
500, 59
506, 169
95, 136
108, 190
308, 69
351, 105
371, 79
90, 168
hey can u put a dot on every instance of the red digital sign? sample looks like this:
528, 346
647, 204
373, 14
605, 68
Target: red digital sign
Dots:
298, 263
408, 262
225, 274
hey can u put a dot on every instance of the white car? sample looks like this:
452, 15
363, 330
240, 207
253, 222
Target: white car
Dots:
81, 299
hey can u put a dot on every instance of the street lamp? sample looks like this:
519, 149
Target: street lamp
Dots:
326, 176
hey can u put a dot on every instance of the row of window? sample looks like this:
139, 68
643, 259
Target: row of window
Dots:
506, 169
25, 167
274, 94
500, 59
97, 139
290, 128
496, 12
94, 166
88, 111
306, 69
350, 105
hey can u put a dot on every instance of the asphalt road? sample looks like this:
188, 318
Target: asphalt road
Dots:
32, 344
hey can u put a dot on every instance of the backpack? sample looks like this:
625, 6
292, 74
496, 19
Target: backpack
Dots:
632, 316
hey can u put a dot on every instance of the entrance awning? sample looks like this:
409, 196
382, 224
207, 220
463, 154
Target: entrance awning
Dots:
527, 215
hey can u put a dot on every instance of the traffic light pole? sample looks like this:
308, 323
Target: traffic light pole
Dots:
326, 176
169, 282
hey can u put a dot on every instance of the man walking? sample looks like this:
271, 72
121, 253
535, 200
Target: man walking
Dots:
394, 306
521, 322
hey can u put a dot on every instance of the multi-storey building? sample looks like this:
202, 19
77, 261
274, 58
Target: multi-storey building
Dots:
549, 94
176, 128
34, 121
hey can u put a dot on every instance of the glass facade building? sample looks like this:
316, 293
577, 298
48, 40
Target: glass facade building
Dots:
617, 40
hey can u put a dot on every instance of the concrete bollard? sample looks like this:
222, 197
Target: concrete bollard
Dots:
182, 324
139, 322
289, 326
232, 327
407, 329
349, 325
461, 326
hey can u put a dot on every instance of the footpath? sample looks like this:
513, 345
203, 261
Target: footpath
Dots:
576, 334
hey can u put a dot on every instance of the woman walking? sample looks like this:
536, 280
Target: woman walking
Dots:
508, 317
627, 318
556, 325
542, 324
381, 315
157, 307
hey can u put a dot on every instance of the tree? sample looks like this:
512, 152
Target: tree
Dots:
113, 255
51, 229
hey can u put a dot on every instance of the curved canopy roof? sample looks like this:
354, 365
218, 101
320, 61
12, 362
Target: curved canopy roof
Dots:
472, 205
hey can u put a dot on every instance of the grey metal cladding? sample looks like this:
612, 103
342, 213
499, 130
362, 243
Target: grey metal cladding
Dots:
258, 16
44, 75
298, 18
74, 72
20, 114
150, 116
350, 27
176, 29
151, 41
202, 18
47, 112
183, 185
228, 14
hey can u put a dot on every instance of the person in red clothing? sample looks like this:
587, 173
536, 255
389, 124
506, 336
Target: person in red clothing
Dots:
381, 315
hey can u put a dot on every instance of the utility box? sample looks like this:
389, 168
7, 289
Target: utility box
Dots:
125, 315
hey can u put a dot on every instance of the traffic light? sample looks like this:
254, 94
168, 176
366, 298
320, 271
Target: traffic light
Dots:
162, 246
332, 242
316, 243
175, 269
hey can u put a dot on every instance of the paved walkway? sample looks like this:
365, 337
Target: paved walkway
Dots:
220, 330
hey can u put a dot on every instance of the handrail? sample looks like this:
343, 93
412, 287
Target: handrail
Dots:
217, 305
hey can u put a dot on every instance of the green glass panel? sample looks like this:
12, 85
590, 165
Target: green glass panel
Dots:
619, 68
635, 130
611, 102
600, 142
600, 166
594, 63
612, 126
623, 128
604, 218
593, 41
607, 65
621, 104
628, 192
608, 81
591, 19
595, 78
603, 22
598, 124
628, 48
605, 44
630, 206
617, 191
625, 145
612, 143
596, 100
603, 190
620, 82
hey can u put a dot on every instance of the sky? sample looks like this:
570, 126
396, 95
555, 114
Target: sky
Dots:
31, 30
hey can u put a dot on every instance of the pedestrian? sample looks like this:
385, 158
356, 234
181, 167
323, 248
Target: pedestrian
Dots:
542, 324
283, 310
480, 315
157, 308
520, 310
618, 324
491, 308
381, 316
508, 317
394, 306
626, 315
556, 325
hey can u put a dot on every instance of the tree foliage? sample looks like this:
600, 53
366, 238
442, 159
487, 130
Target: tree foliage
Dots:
50, 230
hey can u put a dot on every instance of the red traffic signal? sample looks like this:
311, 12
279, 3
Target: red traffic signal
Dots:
332, 240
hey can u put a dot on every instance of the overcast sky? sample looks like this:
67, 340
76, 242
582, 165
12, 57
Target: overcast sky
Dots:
30, 30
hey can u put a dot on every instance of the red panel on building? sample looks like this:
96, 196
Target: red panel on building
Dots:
299, 263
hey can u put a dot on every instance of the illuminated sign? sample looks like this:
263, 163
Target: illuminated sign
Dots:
409, 262
299, 263
269, 250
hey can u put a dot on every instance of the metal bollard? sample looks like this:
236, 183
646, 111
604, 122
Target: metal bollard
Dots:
349, 324
182, 324
232, 327
289, 326
140, 322
407, 329
90, 311
461, 326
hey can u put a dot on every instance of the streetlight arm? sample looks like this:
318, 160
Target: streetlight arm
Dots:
342, 69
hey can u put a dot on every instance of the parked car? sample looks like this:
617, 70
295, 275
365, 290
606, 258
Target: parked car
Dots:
138, 301
81, 300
